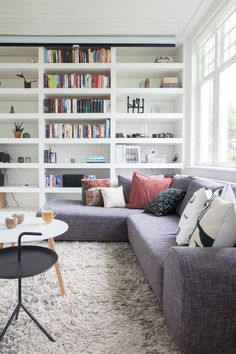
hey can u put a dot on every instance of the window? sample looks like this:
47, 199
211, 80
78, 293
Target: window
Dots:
216, 92
207, 54
206, 121
228, 115
229, 37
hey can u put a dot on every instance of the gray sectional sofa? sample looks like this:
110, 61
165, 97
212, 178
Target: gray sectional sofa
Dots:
196, 287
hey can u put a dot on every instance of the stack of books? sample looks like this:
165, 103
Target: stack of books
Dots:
96, 159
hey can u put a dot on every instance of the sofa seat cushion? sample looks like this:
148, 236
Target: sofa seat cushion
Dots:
151, 238
91, 223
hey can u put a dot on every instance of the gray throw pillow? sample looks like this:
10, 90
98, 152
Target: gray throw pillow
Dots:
180, 182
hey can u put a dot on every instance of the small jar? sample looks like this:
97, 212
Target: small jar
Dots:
27, 159
20, 218
20, 159
11, 222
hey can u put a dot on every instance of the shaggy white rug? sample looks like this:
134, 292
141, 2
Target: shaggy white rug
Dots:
109, 307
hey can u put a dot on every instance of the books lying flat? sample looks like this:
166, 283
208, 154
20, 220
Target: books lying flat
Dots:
96, 159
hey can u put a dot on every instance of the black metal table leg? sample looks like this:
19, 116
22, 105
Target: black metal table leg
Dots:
19, 297
37, 323
15, 314
10, 320
14, 264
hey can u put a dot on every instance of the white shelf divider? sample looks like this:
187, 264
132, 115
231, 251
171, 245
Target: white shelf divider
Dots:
77, 165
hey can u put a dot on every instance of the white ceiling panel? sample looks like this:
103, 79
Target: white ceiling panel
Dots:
99, 17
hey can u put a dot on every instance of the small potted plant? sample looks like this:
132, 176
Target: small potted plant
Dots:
18, 129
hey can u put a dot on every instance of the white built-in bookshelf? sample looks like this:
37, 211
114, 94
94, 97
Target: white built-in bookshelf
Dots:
123, 75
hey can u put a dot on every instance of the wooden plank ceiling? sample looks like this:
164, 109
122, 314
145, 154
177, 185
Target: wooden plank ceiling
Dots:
99, 17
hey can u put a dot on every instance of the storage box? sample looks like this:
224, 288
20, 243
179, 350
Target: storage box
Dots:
170, 80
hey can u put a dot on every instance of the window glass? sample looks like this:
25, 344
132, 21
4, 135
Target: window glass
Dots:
217, 112
206, 115
229, 37
207, 57
227, 144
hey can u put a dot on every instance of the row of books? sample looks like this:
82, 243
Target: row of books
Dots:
76, 81
53, 181
77, 55
75, 131
75, 105
127, 154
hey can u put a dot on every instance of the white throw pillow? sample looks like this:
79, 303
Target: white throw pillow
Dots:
216, 226
190, 214
226, 193
113, 197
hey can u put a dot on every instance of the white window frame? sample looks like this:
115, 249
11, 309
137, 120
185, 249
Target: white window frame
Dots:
220, 66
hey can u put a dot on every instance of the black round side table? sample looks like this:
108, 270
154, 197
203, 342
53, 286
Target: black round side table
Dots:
22, 262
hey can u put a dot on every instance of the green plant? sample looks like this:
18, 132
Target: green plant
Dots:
18, 127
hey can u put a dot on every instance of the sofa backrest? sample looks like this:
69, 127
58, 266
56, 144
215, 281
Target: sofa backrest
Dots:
193, 184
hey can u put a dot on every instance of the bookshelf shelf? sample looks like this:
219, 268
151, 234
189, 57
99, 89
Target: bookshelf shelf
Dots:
149, 166
30, 117
163, 94
21, 141
19, 189
77, 141
63, 190
66, 117
93, 92
127, 69
149, 117
79, 166
149, 141
19, 165
80, 67
20, 92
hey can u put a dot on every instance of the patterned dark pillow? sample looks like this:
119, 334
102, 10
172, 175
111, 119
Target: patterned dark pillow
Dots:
165, 202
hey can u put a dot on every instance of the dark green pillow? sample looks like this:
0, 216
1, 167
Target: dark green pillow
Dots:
166, 202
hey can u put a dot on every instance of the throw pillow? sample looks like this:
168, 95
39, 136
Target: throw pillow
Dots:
180, 182
216, 226
113, 197
126, 183
144, 189
195, 184
190, 214
92, 190
226, 193
165, 202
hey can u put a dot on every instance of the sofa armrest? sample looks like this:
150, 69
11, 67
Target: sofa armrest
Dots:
199, 298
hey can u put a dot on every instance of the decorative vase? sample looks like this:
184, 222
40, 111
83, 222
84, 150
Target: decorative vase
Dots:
11, 222
17, 135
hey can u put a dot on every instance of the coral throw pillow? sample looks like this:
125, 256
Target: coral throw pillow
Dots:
144, 189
